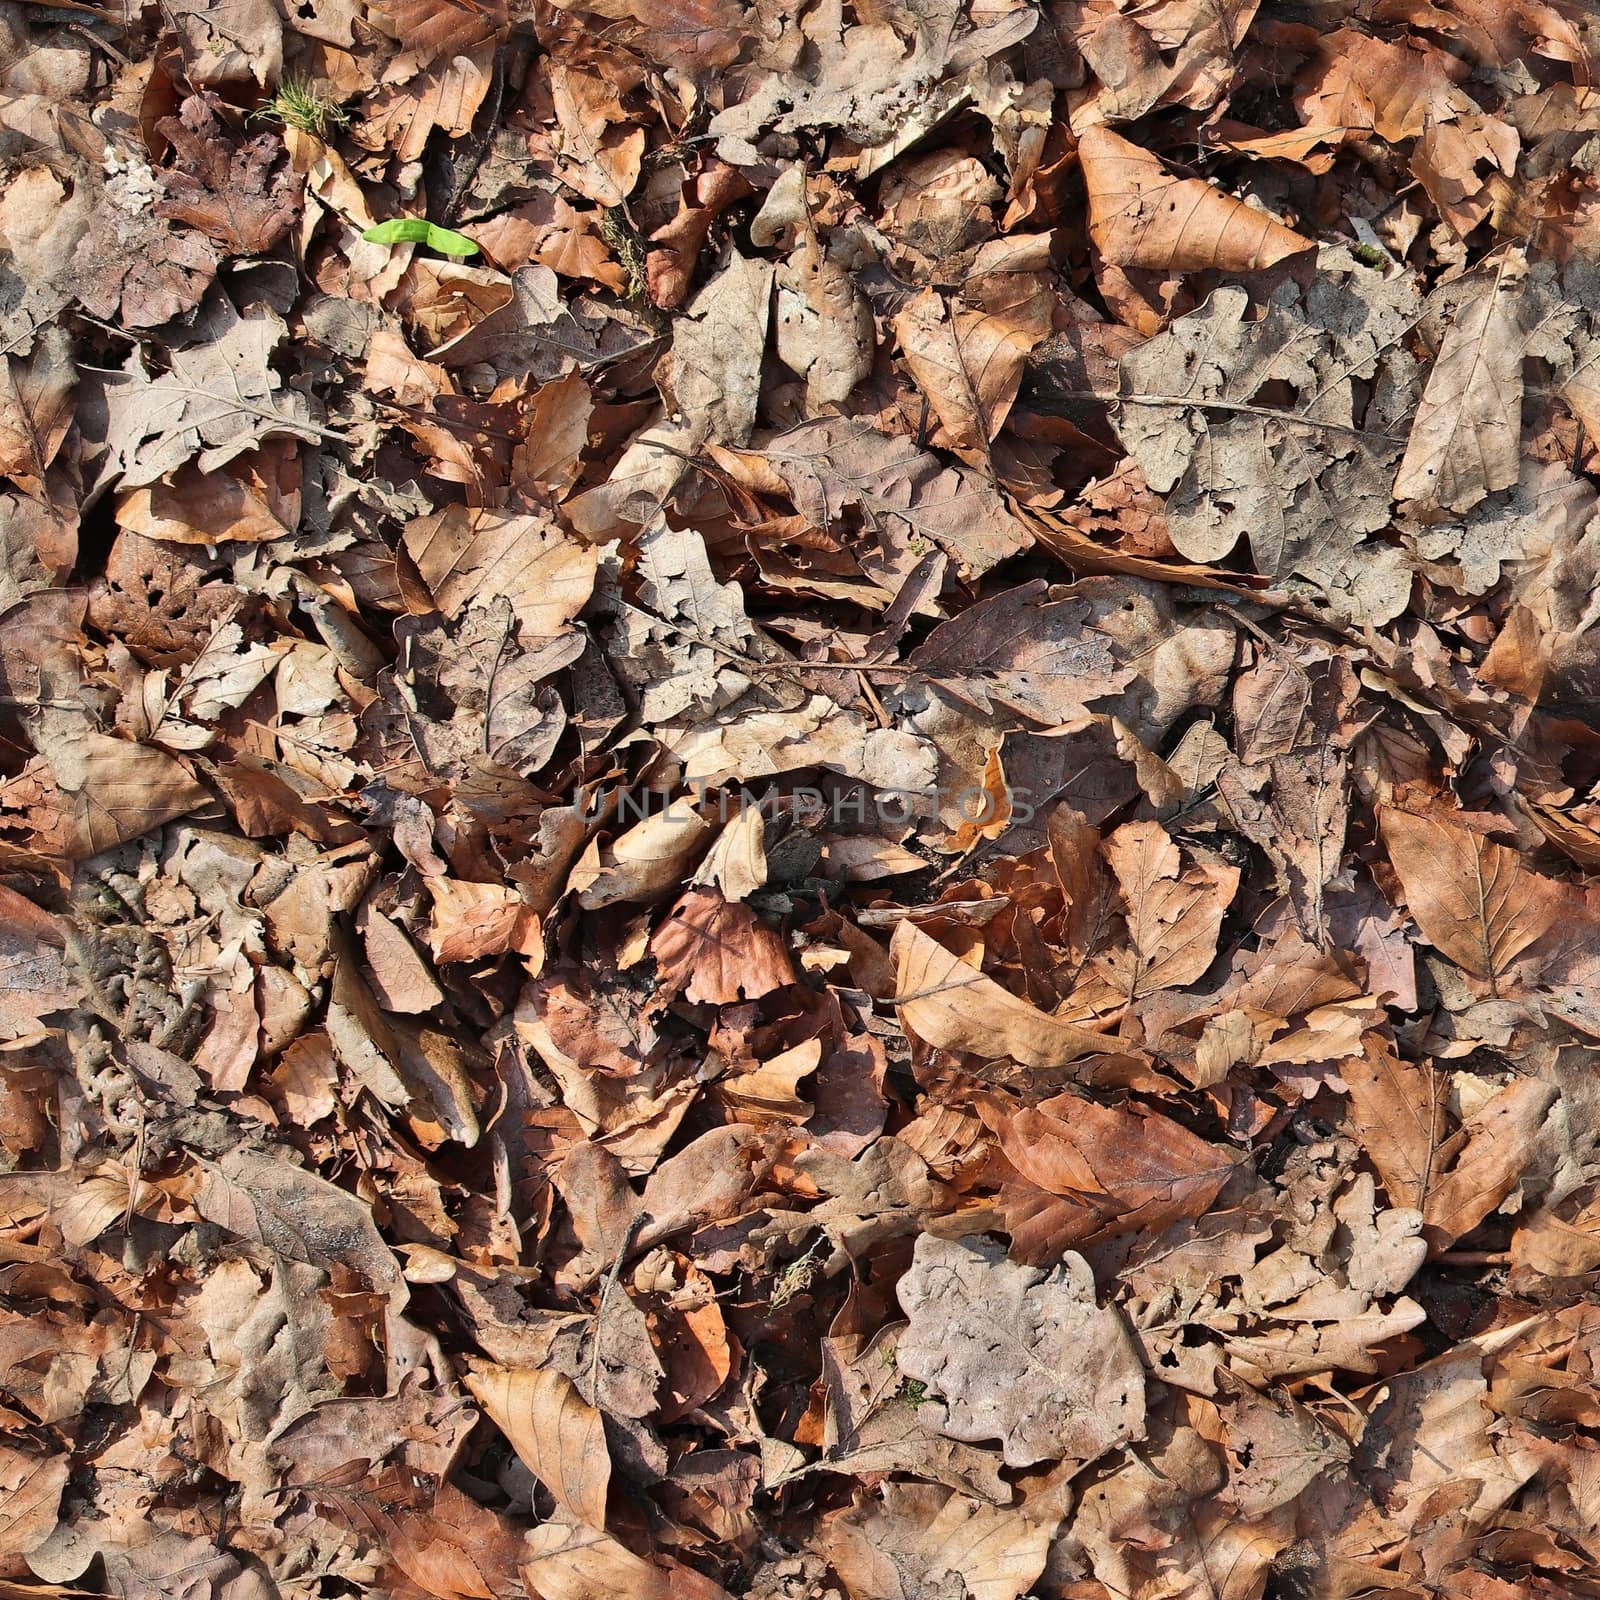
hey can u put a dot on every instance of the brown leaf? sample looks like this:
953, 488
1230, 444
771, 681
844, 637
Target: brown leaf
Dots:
1174, 915
716, 951
230, 192
953, 1006
36, 410
428, 29
1399, 1111
30, 1498
1019, 651
1397, 89
600, 154
466, 556
1472, 899
1141, 216
1490, 1154
118, 790
969, 362
558, 1436
1117, 1169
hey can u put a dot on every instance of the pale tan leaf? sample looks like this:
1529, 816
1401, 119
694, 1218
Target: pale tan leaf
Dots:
953, 1006
1142, 216
922, 1537
1466, 441
575, 1563
559, 1437
1018, 1354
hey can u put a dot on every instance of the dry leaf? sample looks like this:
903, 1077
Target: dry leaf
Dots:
559, 1438
1017, 1354
1472, 898
951, 1005
1141, 216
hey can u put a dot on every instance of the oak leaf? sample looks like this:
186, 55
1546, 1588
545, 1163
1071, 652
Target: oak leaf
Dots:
231, 193
220, 398
1018, 1354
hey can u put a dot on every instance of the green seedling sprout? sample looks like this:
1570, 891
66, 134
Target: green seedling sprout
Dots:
413, 230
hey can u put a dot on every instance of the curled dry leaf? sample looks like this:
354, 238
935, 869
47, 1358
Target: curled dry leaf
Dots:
950, 1004
1114, 1169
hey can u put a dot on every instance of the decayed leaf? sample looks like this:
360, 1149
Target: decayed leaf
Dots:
35, 410
559, 1438
220, 398
1472, 898
233, 196
1466, 440
952, 1005
1306, 480
1017, 1354
1142, 216
1025, 654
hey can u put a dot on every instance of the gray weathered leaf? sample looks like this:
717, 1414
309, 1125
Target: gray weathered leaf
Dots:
1467, 439
1304, 482
1018, 1354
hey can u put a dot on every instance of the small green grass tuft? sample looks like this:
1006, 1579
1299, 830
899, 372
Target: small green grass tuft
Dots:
301, 103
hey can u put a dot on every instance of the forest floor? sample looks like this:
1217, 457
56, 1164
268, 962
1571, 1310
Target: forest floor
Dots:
800, 799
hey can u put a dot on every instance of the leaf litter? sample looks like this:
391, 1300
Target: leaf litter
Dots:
799, 800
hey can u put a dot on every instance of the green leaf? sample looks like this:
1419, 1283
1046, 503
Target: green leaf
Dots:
413, 230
